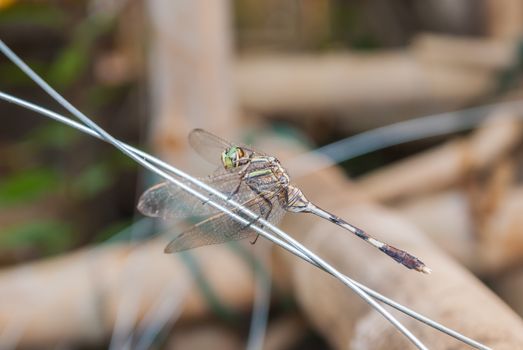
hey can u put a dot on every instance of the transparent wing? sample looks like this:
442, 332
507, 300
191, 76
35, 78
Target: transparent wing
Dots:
207, 145
168, 201
221, 228
210, 146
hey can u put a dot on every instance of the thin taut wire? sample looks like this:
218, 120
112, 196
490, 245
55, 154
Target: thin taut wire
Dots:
122, 147
390, 302
312, 259
394, 134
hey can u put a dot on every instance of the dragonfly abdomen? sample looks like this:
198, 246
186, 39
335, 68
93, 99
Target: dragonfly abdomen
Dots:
295, 200
404, 258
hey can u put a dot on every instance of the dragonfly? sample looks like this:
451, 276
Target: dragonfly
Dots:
253, 179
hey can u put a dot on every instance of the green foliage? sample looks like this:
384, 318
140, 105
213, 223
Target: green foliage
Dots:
121, 162
54, 135
49, 236
122, 228
40, 14
71, 61
16, 77
348, 28
100, 96
74, 59
70, 64
27, 186
510, 77
93, 180
101, 175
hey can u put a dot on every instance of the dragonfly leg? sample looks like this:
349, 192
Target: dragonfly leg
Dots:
242, 174
235, 190
266, 216
208, 199
255, 239
222, 177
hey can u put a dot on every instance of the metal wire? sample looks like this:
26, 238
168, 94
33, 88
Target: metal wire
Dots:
262, 296
141, 160
108, 138
394, 134
292, 246
156, 161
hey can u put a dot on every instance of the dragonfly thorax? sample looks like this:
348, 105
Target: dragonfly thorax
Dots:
281, 173
265, 173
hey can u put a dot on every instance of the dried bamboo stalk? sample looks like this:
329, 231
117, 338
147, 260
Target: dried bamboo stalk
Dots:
489, 247
446, 165
285, 333
83, 291
386, 86
464, 52
504, 19
509, 287
450, 295
205, 336
190, 69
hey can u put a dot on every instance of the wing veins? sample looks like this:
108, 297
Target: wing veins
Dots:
195, 236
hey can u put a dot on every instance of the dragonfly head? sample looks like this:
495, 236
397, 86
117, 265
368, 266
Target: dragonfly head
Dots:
232, 156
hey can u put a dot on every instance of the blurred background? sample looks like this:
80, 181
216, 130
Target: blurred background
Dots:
81, 268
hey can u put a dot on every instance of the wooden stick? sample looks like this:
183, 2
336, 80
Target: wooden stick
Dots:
509, 287
488, 247
504, 19
464, 52
477, 224
190, 73
76, 298
370, 90
285, 333
87, 288
446, 165
214, 336
450, 295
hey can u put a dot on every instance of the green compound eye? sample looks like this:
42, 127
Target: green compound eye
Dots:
231, 153
228, 157
231, 157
